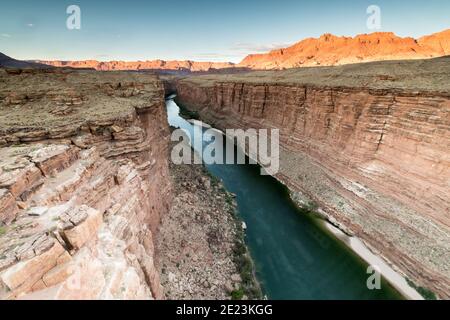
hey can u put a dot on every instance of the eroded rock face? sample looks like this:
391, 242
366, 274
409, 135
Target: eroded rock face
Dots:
81, 193
375, 158
331, 50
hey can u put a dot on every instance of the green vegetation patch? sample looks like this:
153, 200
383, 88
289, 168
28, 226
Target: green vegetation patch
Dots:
246, 268
2, 230
237, 294
427, 294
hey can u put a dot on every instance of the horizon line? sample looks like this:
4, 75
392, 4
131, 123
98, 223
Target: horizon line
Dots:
227, 61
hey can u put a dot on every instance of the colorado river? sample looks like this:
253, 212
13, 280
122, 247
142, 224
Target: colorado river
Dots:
295, 256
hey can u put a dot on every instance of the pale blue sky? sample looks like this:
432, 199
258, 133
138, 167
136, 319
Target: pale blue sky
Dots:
198, 30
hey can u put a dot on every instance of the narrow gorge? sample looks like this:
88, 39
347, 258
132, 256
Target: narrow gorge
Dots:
225, 158
91, 206
367, 144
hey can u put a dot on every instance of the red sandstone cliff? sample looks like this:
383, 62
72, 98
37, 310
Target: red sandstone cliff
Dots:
330, 50
438, 42
368, 143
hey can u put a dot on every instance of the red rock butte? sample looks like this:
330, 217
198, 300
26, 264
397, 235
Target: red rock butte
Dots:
330, 50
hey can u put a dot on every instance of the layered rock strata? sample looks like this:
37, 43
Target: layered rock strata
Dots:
83, 184
368, 143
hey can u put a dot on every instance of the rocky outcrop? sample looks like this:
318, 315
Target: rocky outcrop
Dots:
368, 143
83, 185
330, 50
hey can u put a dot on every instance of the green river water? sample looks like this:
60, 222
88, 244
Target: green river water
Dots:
295, 256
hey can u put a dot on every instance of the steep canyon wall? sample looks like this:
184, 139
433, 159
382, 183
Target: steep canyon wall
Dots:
83, 184
369, 148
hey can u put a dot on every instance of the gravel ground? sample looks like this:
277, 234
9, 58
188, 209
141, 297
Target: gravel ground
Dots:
197, 238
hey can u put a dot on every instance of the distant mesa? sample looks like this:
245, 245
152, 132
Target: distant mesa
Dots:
175, 65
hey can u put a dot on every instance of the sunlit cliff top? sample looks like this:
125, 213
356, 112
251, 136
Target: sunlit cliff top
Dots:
35, 104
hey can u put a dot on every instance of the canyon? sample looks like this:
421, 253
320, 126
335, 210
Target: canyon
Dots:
88, 205
365, 144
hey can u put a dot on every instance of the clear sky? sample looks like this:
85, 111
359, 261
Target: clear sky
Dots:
204, 30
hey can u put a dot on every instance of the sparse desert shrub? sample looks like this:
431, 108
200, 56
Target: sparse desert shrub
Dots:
237, 294
424, 292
